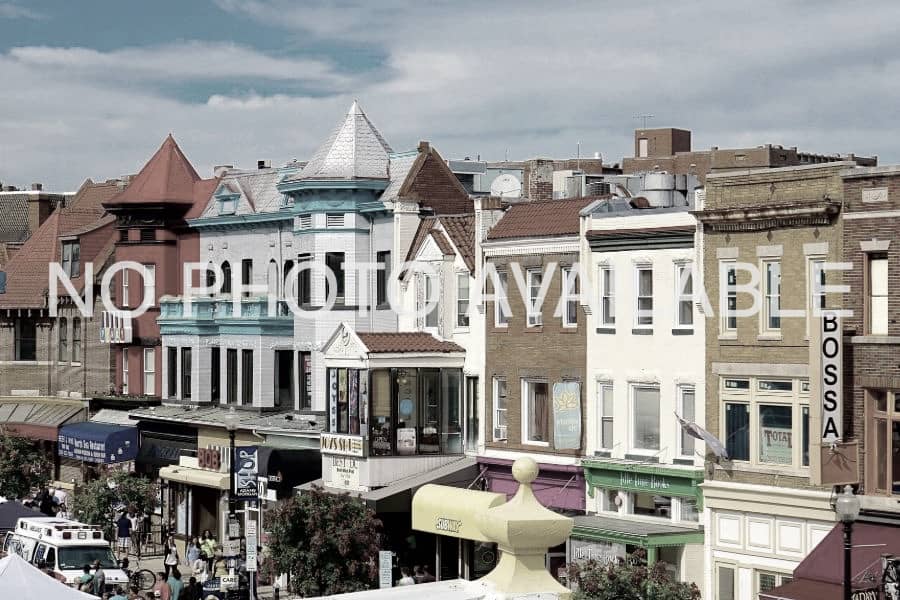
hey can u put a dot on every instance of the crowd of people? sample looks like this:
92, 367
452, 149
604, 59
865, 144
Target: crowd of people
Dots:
418, 575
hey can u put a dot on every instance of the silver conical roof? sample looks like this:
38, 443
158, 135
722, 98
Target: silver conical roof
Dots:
355, 149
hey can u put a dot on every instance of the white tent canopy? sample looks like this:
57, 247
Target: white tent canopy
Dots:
18, 579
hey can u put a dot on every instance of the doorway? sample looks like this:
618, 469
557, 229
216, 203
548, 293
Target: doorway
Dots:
205, 505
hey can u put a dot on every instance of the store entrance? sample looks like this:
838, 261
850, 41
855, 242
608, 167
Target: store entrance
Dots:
206, 512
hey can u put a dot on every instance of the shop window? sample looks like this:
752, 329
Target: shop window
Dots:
644, 297
689, 510
462, 299
381, 431
499, 409
26, 339
684, 296
501, 318
884, 408
605, 404
877, 304
247, 377
149, 371
645, 433
607, 296
231, 375
186, 373
535, 412
688, 413
76, 340
63, 343
569, 292
383, 277
772, 301
450, 422
334, 262
737, 431
652, 505
534, 277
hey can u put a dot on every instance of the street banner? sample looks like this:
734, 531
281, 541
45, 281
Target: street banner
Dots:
567, 415
246, 469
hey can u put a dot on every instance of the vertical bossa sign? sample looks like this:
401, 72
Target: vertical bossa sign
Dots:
832, 418
246, 469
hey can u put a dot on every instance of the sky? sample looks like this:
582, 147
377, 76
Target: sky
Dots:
91, 88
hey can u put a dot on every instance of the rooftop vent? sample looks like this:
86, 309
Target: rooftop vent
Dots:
263, 164
37, 187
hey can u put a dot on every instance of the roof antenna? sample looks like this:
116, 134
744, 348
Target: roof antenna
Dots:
643, 119
506, 156
578, 156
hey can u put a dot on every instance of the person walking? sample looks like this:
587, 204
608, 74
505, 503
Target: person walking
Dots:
192, 553
161, 589
170, 551
175, 584
123, 534
99, 579
208, 549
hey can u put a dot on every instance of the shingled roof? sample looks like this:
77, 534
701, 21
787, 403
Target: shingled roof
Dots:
544, 218
459, 229
406, 342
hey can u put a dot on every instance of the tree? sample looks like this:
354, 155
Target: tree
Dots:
24, 467
96, 501
628, 579
326, 543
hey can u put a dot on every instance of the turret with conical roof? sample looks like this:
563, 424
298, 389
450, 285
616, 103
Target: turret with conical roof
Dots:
167, 178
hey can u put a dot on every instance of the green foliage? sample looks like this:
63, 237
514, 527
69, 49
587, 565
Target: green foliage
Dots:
628, 580
24, 467
326, 543
95, 502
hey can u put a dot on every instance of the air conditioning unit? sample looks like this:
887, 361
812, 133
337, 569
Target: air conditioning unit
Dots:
500, 433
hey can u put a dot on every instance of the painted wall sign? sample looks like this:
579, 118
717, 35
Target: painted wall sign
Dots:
567, 415
246, 471
776, 445
345, 473
447, 525
346, 445
332, 400
831, 378
643, 482
603, 552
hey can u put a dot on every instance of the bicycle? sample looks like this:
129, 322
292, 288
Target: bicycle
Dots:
143, 579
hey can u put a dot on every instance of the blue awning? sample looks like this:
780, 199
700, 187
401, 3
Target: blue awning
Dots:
98, 442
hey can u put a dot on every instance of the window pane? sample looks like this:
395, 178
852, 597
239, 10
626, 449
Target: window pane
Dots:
538, 408
462, 300
685, 313
646, 418
737, 431
775, 434
606, 434
895, 453
725, 583
645, 282
878, 322
804, 449
881, 453
878, 276
687, 413
689, 510
767, 582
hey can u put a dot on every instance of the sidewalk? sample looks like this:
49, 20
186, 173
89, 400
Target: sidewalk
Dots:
155, 564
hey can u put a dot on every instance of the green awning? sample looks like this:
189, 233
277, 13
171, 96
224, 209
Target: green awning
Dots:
644, 534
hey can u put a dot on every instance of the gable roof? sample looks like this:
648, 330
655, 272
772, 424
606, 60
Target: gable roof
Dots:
167, 178
432, 184
354, 149
402, 342
543, 218
459, 229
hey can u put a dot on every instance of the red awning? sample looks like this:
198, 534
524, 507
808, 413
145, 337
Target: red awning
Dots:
804, 589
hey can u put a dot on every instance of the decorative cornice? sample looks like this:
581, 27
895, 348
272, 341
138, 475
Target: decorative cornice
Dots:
760, 218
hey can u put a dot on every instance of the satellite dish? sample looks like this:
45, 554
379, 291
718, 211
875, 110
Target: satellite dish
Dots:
506, 186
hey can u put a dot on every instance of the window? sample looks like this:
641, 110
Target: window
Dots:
26, 339
172, 375
125, 300
227, 206
535, 412
149, 371
878, 295
63, 345
776, 431
684, 296
884, 436
305, 221
231, 375
149, 235
607, 296
499, 409
605, 405
125, 371
211, 280
569, 290
644, 308
645, 435
186, 373
737, 431
334, 262
246, 275
215, 375
150, 284
272, 278
247, 377
334, 220
643, 147
431, 298
123, 235
76, 340
767, 581
725, 582
804, 448
305, 381
286, 286
772, 303
462, 299
688, 413
729, 319
383, 276
226, 277
501, 319
71, 258
304, 280
534, 277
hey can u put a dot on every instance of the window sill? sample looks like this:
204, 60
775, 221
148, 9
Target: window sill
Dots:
534, 329
606, 330
643, 455
770, 337
728, 337
642, 331
539, 444
683, 331
461, 330
569, 329
748, 467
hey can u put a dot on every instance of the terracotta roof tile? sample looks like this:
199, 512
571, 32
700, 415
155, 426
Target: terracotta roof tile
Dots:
540, 219
167, 178
424, 230
461, 230
383, 343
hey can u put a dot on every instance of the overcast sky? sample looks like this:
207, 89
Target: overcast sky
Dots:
91, 88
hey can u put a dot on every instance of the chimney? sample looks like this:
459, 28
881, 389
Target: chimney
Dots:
37, 187
263, 164
220, 170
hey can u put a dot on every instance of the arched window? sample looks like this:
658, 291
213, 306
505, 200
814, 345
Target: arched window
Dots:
272, 278
226, 275
211, 280
287, 288
63, 344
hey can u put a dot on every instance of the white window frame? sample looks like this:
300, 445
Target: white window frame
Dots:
607, 296
604, 387
569, 288
463, 276
779, 579
62, 341
501, 320
535, 319
525, 382
735, 580
681, 296
632, 433
432, 285
149, 359
728, 324
682, 389
495, 382
124, 301
643, 147
150, 285
883, 293
638, 269
814, 299
125, 370
768, 295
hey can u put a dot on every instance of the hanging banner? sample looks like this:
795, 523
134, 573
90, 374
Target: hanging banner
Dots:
567, 415
363, 402
332, 400
246, 469
832, 429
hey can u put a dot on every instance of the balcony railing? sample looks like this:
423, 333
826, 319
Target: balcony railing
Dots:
115, 328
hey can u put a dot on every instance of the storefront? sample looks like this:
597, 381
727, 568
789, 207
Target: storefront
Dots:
99, 446
39, 420
656, 508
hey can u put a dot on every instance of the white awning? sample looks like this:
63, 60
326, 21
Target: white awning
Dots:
199, 477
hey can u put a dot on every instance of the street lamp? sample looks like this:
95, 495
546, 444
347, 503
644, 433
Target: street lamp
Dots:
231, 423
847, 509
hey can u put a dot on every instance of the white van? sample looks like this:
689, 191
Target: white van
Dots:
65, 546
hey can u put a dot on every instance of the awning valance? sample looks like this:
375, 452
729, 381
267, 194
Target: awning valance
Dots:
159, 451
98, 442
637, 533
39, 420
198, 477
284, 468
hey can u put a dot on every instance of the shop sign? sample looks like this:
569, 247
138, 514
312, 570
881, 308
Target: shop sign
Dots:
246, 470
406, 440
252, 543
213, 458
567, 415
71, 446
345, 473
831, 377
385, 569
867, 594
775, 445
346, 445
231, 548
602, 552
639, 481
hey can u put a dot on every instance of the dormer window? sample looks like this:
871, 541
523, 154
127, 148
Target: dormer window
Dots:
227, 196
227, 206
71, 258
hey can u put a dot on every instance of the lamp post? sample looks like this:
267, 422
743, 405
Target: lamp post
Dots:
231, 422
847, 509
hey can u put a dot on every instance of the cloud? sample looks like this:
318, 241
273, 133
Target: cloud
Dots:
474, 78
9, 10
